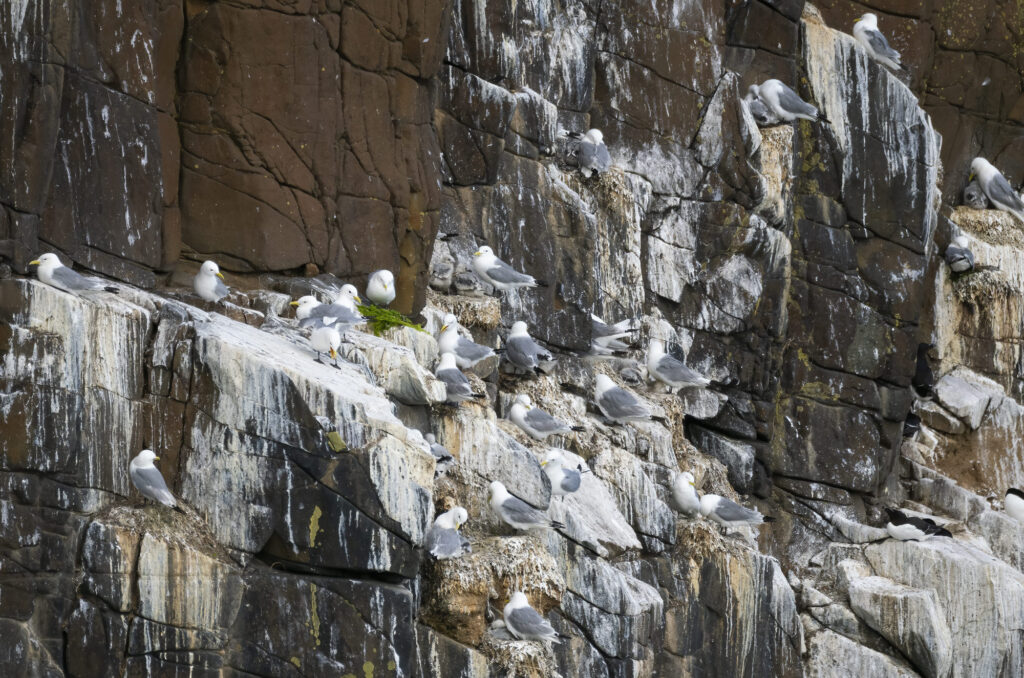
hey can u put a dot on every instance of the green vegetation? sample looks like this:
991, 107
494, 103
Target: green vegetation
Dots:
381, 320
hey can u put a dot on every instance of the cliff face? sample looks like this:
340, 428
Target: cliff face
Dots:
798, 265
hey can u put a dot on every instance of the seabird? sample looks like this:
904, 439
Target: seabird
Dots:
326, 339
924, 379
684, 491
342, 314
209, 284
444, 458
148, 479
458, 386
563, 480
592, 155
670, 371
537, 423
524, 622
959, 256
443, 540
1014, 504
911, 425
604, 338
467, 352
911, 528
500, 275
784, 102
618, 404
56, 274
728, 513
867, 33
763, 116
516, 512
442, 271
380, 288
523, 352
997, 188
974, 197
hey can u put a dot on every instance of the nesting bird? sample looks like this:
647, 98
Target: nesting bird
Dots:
974, 197
997, 188
592, 155
618, 404
959, 256
728, 513
209, 284
911, 528
467, 352
148, 479
500, 275
867, 34
537, 423
380, 288
444, 458
606, 339
523, 352
784, 102
524, 622
1014, 504
55, 274
684, 491
457, 384
516, 512
443, 540
563, 480
763, 116
671, 371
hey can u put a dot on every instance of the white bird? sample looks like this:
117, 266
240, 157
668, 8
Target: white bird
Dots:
1014, 504
563, 480
619, 404
524, 622
342, 314
56, 274
148, 479
783, 101
500, 275
537, 423
516, 512
684, 491
763, 116
467, 352
380, 288
444, 458
867, 33
456, 383
912, 528
997, 188
208, 282
443, 540
670, 371
605, 339
523, 352
728, 513
592, 155
326, 339
959, 255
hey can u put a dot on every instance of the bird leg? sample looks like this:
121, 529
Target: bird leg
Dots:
318, 358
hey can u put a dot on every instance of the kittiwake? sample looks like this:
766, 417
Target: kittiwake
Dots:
500, 275
759, 110
619, 404
467, 352
671, 371
591, 154
444, 458
912, 528
209, 282
959, 256
974, 197
1014, 504
997, 188
515, 511
784, 102
524, 622
458, 386
684, 491
342, 314
380, 288
537, 423
148, 479
56, 274
867, 33
326, 339
563, 480
523, 352
728, 513
605, 338
443, 540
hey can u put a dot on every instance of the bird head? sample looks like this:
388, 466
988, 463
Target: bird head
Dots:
484, 251
147, 457
211, 268
349, 292
48, 259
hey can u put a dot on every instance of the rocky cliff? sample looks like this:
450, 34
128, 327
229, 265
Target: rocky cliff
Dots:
799, 265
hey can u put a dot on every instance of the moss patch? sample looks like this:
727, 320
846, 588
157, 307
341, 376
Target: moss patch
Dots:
381, 320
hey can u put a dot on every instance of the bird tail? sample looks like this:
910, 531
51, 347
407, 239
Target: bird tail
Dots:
557, 525
112, 290
578, 428
179, 509
478, 396
540, 283
582, 469
942, 532
769, 519
538, 370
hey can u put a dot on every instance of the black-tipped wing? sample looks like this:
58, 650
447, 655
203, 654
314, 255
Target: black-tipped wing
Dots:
543, 422
881, 45
70, 280
1000, 191
791, 102
677, 372
526, 622
518, 511
621, 404
471, 351
729, 510
520, 351
152, 485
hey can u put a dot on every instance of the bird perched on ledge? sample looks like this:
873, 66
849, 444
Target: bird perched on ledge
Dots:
784, 102
149, 481
996, 187
209, 284
537, 423
500, 275
56, 274
380, 288
524, 622
911, 528
867, 34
